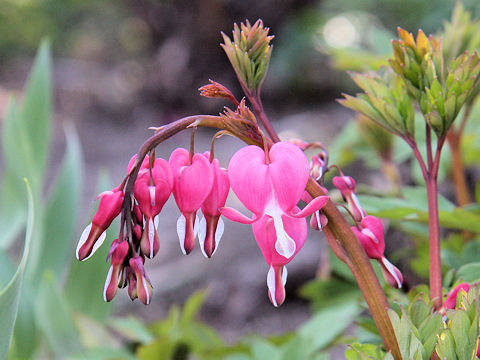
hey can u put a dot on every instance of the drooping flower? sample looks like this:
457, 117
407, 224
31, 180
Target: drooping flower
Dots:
266, 237
347, 185
152, 190
271, 184
193, 180
371, 236
94, 234
211, 226
143, 286
117, 254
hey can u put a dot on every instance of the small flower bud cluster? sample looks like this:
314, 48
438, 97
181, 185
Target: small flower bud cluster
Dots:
368, 229
196, 183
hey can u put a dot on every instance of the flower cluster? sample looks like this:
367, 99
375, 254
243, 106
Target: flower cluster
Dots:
197, 181
368, 229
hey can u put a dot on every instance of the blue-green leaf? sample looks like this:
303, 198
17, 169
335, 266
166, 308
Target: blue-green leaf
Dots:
10, 295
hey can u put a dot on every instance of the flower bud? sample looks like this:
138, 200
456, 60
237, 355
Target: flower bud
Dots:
143, 287
451, 300
94, 234
346, 185
117, 254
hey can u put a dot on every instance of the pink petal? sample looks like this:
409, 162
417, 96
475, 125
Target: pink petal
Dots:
235, 215
266, 237
249, 179
193, 182
219, 193
314, 205
289, 172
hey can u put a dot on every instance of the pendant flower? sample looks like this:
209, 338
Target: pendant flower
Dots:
152, 190
193, 180
211, 226
372, 239
94, 234
271, 184
266, 237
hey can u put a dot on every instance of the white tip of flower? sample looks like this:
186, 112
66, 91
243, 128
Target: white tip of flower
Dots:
271, 285
202, 234
181, 223
83, 238
319, 223
219, 233
155, 221
196, 225
145, 287
107, 282
151, 236
391, 269
151, 188
284, 275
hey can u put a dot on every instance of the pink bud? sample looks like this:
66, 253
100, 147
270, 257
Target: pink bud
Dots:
131, 163
143, 285
371, 236
211, 226
451, 301
138, 214
192, 185
118, 252
346, 185
94, 234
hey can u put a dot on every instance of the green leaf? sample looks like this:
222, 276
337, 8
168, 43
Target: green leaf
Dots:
192, 306
469, 272
262, 349
10, 294
328, 323
62, 209
54, 318
132, 329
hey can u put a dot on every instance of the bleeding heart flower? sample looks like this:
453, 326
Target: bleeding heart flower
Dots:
371, 236
271, 184
347, 185
117, 253
266, 236
211, 226
193, 180
94, 234
152, 190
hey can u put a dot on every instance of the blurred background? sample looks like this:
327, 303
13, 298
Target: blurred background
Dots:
120, 66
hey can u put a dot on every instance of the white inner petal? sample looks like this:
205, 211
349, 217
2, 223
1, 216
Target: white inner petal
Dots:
83, 238
218, 233
284, 245
370, 234
181, 232
151, 188
202, 233
155, 221
145, 287
284, 275
319, 223
151, 235
391, 270
196, 225
107, 282
271, 285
